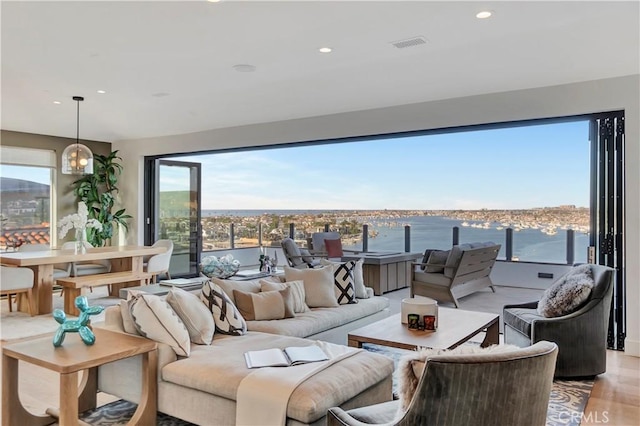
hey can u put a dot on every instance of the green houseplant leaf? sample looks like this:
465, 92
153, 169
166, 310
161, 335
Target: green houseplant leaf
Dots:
98, 191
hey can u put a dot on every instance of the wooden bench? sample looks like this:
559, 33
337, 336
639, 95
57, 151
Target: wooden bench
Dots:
73, 285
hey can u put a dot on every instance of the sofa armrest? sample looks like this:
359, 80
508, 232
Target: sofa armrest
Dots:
528, 305
336, 416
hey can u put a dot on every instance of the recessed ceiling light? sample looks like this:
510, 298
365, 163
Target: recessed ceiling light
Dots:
325, 50
244, 68
102, 92
213, 1
484, 14
57, 102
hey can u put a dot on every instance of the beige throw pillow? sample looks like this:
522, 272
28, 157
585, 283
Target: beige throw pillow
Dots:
195, 316
248, 286
156, 320
297, 292
318, 285
269, 305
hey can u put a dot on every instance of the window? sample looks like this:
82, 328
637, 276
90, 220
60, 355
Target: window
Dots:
26, 182
530, 177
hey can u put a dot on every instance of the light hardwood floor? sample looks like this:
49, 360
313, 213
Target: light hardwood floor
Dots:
615, 399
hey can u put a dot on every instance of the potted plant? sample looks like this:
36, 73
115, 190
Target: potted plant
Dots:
98, 191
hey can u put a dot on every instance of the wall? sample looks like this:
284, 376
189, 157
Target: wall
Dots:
66, 201
556, 101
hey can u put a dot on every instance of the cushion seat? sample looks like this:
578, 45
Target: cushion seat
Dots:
432, 278
218, 369
521, 319
320, 319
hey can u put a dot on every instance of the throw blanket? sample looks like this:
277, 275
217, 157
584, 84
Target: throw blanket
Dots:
263, 396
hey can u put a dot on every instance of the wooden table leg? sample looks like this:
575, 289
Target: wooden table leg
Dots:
88, 390
42, 290
354, 343
147, 408
13, 413
126, 264
492, 335
69, 399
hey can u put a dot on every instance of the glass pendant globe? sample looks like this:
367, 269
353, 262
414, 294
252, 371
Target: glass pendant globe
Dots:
77, 159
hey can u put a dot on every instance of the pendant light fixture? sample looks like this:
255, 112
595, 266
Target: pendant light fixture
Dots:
77, 159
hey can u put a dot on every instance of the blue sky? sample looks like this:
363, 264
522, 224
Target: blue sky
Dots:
520, 167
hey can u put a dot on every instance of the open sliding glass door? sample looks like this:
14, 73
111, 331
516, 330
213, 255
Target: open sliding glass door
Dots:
173, 212
607, 212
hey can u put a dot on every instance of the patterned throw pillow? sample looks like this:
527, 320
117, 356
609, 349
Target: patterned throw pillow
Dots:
226, 316
358, 277
568, 293
156, 320
344, 282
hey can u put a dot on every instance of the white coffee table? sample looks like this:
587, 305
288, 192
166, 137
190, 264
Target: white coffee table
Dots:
455, 327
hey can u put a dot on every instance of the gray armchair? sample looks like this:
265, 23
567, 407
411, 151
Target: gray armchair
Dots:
581, 336
297, 257
506, 388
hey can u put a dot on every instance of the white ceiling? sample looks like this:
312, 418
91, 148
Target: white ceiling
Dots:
167, 67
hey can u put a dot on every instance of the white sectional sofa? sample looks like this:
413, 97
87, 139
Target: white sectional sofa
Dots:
202, 388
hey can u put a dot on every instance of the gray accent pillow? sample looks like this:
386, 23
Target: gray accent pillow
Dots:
568, 293
438, 257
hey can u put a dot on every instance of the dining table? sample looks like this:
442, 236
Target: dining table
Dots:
123, 258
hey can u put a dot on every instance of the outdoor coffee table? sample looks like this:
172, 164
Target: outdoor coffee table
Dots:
455, 327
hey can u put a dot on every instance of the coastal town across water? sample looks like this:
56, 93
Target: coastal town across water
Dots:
275, 225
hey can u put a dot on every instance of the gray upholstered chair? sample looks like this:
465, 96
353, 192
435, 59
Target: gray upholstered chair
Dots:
505, 388
90, 267
317, 241
581, 336
297, 257
159, 263
15, 281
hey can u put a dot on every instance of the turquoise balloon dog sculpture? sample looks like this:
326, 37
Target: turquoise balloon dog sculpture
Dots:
80, 325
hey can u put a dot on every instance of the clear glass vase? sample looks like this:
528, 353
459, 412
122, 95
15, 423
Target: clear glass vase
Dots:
81, 238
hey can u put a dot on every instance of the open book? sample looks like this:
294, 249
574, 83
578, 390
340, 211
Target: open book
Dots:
286, 357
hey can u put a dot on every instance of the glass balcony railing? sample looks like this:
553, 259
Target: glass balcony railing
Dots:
563, 246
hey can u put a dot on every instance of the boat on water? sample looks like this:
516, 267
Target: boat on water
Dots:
465, 223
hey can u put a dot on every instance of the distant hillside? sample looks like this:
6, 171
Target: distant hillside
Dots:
11, 185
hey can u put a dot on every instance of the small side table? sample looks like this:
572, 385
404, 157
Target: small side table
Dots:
68, 360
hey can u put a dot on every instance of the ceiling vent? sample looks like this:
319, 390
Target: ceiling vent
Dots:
410, 42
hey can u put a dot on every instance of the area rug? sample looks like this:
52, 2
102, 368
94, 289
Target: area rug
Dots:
566, 406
